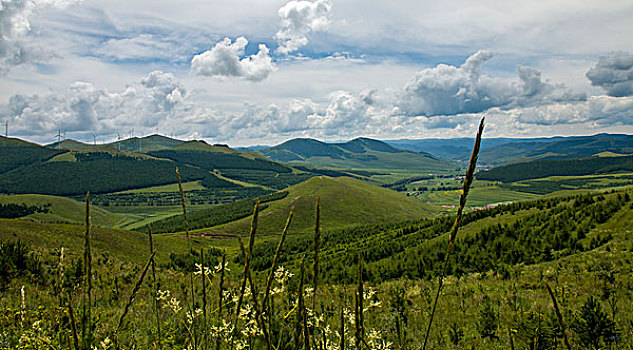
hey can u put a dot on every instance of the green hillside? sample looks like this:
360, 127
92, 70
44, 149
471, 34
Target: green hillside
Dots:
100, 172
213, 216
504, 262
63, 210
125, 246
16, 153
145, 144
568, 148
344, 202
209, 157
360, 153
246, 167
73, 145
544, 168
492, 239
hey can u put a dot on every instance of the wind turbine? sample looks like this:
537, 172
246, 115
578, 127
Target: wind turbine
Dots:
59, 139
6, 129
118, 141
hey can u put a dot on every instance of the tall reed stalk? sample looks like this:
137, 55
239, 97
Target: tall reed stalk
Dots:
360, 307
317, 242
86, 318
184, 208
251, 240
73, 321
137, 286
259, 317
559, 315
154, 285
204, 299
468, 180
220, 298
271, 275
301, 325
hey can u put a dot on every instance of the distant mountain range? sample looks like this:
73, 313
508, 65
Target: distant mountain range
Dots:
359, 153
497, 151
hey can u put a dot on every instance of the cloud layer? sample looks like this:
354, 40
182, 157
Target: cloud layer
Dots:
15, 25
450, 90
614, 73
226, 59
298, 19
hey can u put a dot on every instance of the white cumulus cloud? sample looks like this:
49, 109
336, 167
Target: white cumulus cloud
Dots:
226, 59
298, 19
451, 90
85, 108
15, 25
614, 73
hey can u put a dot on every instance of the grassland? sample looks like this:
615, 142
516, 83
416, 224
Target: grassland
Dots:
489, 309
64, 210
345, 202
187, 186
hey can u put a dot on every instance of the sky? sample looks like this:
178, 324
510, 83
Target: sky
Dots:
259, 72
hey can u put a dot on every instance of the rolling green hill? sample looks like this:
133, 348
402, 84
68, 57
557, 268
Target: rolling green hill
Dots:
360, 153
544, 168
492, 239
64, 210
498, 151
17, 153
246, 167
344, 202
99, 172
208, 157
73, 145
145, 144
568, 148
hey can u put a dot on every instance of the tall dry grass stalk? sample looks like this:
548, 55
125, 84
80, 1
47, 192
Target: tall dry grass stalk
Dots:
271, 275
259, 318
247, 261
220, 297
301, 325
73, 321
342, 330
86, 318
155, 286
317, 242
134, 292
360, 306
203, 276
468, 180
559, 315
184, 207
251, 241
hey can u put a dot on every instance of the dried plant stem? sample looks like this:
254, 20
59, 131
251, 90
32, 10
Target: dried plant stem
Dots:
258, 312
73, 321
220, 298
342, 344
204, 298
184, 208
470, 175
302, 323
559, 315
134, 292
359, 307
271, 275
86, 318
240, 299
154, 284
317, 242
186, 224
